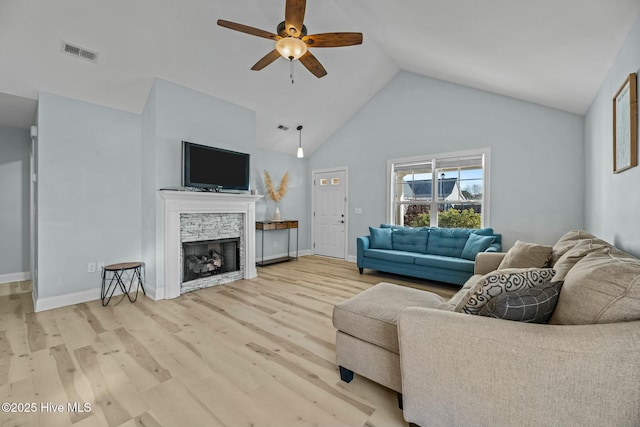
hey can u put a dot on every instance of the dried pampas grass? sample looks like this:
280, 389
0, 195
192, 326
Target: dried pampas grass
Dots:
276, 195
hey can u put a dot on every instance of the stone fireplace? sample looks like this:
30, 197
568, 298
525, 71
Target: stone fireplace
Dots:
202, 230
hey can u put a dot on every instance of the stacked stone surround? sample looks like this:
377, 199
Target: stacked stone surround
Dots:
196, 227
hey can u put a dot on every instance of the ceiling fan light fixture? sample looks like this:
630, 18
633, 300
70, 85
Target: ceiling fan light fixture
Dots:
291, 48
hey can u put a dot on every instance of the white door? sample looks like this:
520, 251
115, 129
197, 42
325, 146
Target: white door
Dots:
329, 220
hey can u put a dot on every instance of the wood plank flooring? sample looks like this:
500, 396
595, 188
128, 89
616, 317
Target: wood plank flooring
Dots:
257, 352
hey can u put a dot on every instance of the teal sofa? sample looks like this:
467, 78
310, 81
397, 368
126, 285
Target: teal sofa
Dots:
440, 254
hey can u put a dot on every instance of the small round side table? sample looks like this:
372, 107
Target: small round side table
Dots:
117, 271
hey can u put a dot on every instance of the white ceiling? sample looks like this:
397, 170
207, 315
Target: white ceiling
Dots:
552, 52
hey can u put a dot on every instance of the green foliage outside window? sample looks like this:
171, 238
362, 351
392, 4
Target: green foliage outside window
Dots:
452, 218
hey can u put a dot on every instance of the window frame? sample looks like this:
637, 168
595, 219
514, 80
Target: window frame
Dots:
432, 159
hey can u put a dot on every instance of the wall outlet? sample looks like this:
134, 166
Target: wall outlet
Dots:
91, 267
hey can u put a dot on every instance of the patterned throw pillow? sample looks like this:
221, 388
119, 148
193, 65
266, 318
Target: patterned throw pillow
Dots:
501, 281
530, 305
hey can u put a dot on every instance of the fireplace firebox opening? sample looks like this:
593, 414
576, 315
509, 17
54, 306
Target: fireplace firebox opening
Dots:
210, 257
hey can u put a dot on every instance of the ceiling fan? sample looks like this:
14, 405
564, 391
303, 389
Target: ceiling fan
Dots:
292, 41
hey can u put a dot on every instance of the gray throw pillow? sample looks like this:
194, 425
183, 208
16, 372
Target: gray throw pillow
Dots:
530, 305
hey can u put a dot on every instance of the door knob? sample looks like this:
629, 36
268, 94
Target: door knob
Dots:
342, 222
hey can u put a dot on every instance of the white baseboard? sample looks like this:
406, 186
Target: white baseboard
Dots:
49, 303
15, 277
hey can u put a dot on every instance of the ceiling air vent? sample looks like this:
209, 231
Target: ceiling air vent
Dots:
80, 52
282, 127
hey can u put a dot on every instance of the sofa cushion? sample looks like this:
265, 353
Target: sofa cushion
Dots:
446, 262
566, 242
476, 243
390, 255
410, 239
380, 238
500, 281
447, 241
526, 255
372, 315
529, 305
581, 249
603, 287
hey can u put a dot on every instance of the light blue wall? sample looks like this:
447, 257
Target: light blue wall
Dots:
14, 197
89, 196
612, 200
537, 156
173, 114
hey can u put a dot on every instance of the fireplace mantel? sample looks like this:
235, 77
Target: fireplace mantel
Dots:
175, 203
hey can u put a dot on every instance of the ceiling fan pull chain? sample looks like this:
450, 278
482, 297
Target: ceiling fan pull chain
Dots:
291, 70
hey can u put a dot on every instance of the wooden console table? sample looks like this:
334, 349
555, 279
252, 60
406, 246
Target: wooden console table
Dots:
278, 225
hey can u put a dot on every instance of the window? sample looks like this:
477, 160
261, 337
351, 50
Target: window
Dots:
444, 190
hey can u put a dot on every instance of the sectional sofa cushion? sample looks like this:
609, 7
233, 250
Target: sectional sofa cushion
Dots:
526, 255
566, 242
500, 281
529, 305
581, 249
447, 241
476, 243
380, 238
603, 287
410, 239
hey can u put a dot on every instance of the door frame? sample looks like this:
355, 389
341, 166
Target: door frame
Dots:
314, 172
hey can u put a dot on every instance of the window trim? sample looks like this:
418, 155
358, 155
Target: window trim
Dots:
486, 173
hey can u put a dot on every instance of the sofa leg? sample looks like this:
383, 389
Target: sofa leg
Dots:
413, 425
400, 401
346, 375
360, 269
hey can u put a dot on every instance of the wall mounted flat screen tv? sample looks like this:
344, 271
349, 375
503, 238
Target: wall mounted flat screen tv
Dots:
214, 168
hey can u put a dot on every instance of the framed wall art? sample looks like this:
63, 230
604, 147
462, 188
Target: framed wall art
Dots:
625, 125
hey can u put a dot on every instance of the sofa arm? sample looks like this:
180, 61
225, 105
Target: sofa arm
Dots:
459, 369
486, 262
362, 244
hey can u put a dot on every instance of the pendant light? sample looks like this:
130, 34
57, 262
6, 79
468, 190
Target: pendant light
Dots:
300, 152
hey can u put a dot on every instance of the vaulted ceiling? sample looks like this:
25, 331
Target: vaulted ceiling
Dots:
550, 52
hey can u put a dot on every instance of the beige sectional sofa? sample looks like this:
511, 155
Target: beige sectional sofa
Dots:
456, 369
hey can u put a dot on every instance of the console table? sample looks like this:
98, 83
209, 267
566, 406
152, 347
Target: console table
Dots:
278, 225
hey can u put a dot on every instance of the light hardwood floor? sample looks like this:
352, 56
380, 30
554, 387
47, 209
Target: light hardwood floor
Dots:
257, 352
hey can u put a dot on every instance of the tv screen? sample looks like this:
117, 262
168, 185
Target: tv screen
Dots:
216, 168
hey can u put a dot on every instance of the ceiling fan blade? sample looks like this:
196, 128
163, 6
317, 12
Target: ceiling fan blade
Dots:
266, 60
333, 39
248, 30
312, 64
294, 16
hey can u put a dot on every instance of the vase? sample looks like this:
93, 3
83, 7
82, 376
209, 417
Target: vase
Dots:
276, 214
